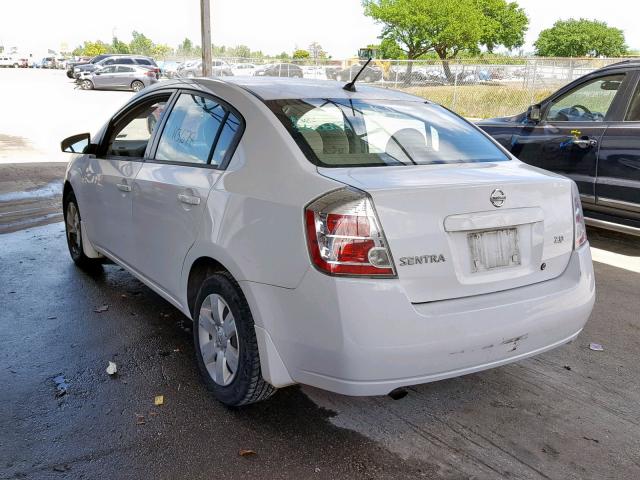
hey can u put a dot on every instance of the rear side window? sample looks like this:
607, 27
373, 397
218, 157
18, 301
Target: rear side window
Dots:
633, 114
125, 61
143, 61
359, 133
198, 131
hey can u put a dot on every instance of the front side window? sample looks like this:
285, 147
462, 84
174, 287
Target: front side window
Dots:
131, 136
588, 102
191, 130
348, 133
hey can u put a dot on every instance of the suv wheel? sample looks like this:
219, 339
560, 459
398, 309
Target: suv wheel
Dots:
225, 343
73, 229
137, 85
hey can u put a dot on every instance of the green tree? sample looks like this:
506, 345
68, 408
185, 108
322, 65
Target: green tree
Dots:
504, 23
301, 54
140, 44
389, 49
185, 48
118, 46
447, 27
282, 56
91, 49
316, 51
161, 51
580, 38
240, 51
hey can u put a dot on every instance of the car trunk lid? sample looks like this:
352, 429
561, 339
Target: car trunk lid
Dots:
459, 230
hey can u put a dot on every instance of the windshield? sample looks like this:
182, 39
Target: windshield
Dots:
347, 133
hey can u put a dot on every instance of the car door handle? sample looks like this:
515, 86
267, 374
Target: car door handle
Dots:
189, 199
123, 187
585, 142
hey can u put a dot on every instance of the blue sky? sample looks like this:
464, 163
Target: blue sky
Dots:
273, 26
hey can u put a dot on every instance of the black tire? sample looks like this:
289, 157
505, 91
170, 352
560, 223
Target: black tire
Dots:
74, 240
70, 74
247, 385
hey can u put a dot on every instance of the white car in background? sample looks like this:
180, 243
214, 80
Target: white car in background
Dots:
356, 241
7, 61
243, 69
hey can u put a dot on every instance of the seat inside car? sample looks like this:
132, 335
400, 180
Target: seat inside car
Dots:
407, 145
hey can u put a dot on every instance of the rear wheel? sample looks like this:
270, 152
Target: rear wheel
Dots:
87, 85
137, 85
73, 228
225, 343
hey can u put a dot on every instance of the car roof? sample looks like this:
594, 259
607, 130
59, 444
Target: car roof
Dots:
631, 63
278, 88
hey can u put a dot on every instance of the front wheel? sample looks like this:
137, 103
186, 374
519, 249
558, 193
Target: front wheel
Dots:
225, 343
137, 85
73, 229
87, 85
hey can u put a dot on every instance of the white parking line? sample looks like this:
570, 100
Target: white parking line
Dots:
618, 260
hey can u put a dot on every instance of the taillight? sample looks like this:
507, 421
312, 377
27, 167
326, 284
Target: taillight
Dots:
345, 237
150, 73
579, 228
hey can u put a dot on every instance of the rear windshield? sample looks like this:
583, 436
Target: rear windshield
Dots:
361, 133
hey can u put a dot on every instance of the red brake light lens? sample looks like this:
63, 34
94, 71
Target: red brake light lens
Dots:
579, 227
344, 235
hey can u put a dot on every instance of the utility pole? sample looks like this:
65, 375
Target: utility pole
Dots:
205, 19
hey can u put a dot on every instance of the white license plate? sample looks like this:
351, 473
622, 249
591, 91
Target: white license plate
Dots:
494, 249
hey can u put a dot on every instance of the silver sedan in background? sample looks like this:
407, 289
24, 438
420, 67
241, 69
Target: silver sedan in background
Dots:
116, 77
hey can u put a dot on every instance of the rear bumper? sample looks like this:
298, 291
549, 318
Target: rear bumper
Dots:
363, 337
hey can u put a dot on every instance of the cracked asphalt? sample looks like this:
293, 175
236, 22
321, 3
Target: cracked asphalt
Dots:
571, 413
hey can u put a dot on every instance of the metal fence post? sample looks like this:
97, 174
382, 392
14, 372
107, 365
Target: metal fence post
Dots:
533, 82
455, 90
396, 70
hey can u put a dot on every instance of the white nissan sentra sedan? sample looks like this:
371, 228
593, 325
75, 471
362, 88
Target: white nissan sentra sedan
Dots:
353, 241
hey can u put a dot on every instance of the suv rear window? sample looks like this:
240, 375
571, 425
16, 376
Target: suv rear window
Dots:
360, 133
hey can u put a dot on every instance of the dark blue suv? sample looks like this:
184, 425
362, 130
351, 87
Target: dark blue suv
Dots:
590, 132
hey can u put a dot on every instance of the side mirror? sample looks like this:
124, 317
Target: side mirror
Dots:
80, 143
534, 114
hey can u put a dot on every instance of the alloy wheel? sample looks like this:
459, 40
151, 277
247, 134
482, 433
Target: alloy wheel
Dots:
137, 86
218, 339
74, 232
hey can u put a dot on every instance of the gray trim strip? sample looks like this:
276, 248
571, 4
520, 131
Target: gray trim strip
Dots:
616, 227
610, 202
587, 198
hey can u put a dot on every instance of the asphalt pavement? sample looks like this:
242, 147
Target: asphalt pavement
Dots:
571, 413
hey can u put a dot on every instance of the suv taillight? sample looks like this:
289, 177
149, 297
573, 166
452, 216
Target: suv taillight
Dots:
579, 228
344, 235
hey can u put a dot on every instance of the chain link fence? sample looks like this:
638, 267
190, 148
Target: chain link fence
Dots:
474, 88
